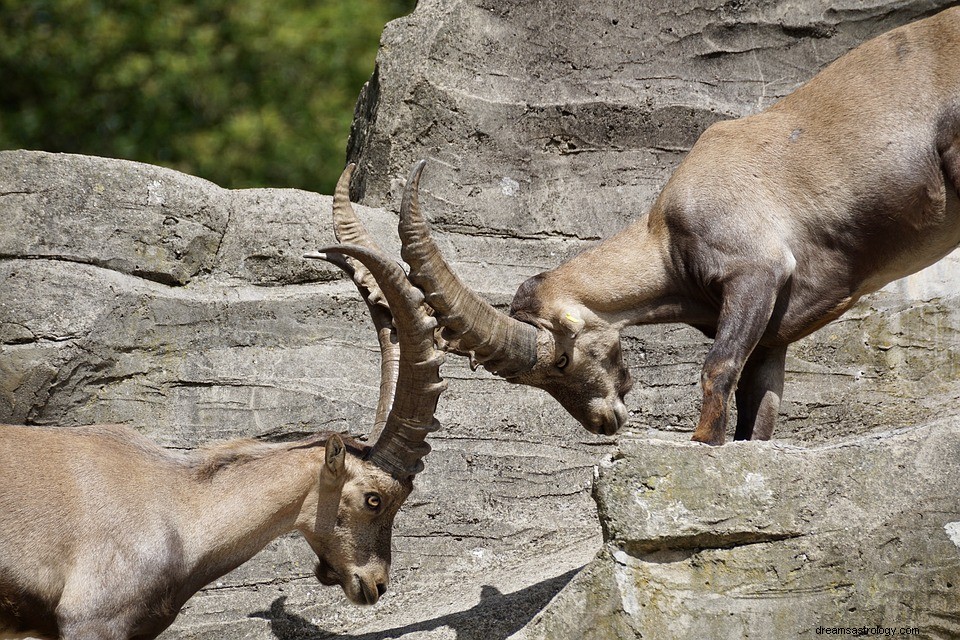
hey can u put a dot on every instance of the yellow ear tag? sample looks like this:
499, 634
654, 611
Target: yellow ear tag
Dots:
572, 322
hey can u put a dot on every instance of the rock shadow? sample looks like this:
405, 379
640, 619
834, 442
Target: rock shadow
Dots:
496, 617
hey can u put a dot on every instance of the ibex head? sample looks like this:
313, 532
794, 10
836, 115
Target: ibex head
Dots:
355, 551
579, 363
351, 533
546, 341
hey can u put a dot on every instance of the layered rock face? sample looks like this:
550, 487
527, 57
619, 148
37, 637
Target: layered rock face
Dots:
134, 294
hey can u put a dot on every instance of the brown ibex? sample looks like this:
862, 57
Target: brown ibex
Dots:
772, 226
105, 535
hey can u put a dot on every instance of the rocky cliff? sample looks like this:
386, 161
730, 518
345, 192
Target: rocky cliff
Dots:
134, 294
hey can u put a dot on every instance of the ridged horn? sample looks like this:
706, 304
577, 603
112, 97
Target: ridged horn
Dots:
386, 337
503, 345
348, 229
401, 445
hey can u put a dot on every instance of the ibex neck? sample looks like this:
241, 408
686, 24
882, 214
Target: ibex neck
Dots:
627, 279
239, 509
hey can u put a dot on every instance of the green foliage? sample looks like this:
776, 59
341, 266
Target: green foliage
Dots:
241, 92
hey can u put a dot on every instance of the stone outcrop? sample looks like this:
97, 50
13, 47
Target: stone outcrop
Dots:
772, 541
134, 294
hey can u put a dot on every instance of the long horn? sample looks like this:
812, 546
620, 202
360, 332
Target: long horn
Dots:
386, 336
401, 445
503, 345
348, 229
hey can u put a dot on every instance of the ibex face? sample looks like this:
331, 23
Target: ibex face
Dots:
353, 546
547, 341
584, 369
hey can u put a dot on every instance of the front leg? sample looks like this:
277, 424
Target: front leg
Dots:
745, 312
758, 393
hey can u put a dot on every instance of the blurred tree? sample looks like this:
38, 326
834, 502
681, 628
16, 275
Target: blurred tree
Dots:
241, 92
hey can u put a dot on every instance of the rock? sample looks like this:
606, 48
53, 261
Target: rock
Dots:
771, 541
140, 220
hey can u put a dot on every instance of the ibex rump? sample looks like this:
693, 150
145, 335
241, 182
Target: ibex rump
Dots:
772, 226
104, 535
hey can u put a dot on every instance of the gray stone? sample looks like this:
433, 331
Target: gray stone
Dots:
134, 222
768, 540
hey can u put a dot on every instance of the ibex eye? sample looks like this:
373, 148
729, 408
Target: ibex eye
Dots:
373, 501
562, 361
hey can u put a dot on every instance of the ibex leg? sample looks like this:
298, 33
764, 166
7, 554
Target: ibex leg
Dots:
758, 393
748, 302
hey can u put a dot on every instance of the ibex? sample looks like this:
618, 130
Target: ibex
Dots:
105, 535
772, 226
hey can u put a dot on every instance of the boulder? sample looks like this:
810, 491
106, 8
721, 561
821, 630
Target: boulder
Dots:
767, 540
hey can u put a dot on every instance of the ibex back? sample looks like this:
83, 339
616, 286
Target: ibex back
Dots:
772, 226
104, 535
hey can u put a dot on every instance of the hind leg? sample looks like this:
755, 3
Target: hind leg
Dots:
758, 393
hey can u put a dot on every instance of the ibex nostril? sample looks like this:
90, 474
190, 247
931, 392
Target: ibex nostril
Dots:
381, 588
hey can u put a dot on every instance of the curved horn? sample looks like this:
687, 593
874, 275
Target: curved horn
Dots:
348, 229
401, 445
386, 336
503, 345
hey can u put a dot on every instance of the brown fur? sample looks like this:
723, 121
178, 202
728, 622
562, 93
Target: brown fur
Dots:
106, 535
213, 458
526, 305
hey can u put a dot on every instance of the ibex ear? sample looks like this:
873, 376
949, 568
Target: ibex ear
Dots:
572, 321
335, 457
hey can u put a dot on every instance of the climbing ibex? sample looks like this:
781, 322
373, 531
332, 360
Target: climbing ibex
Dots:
772, 226
105, 535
